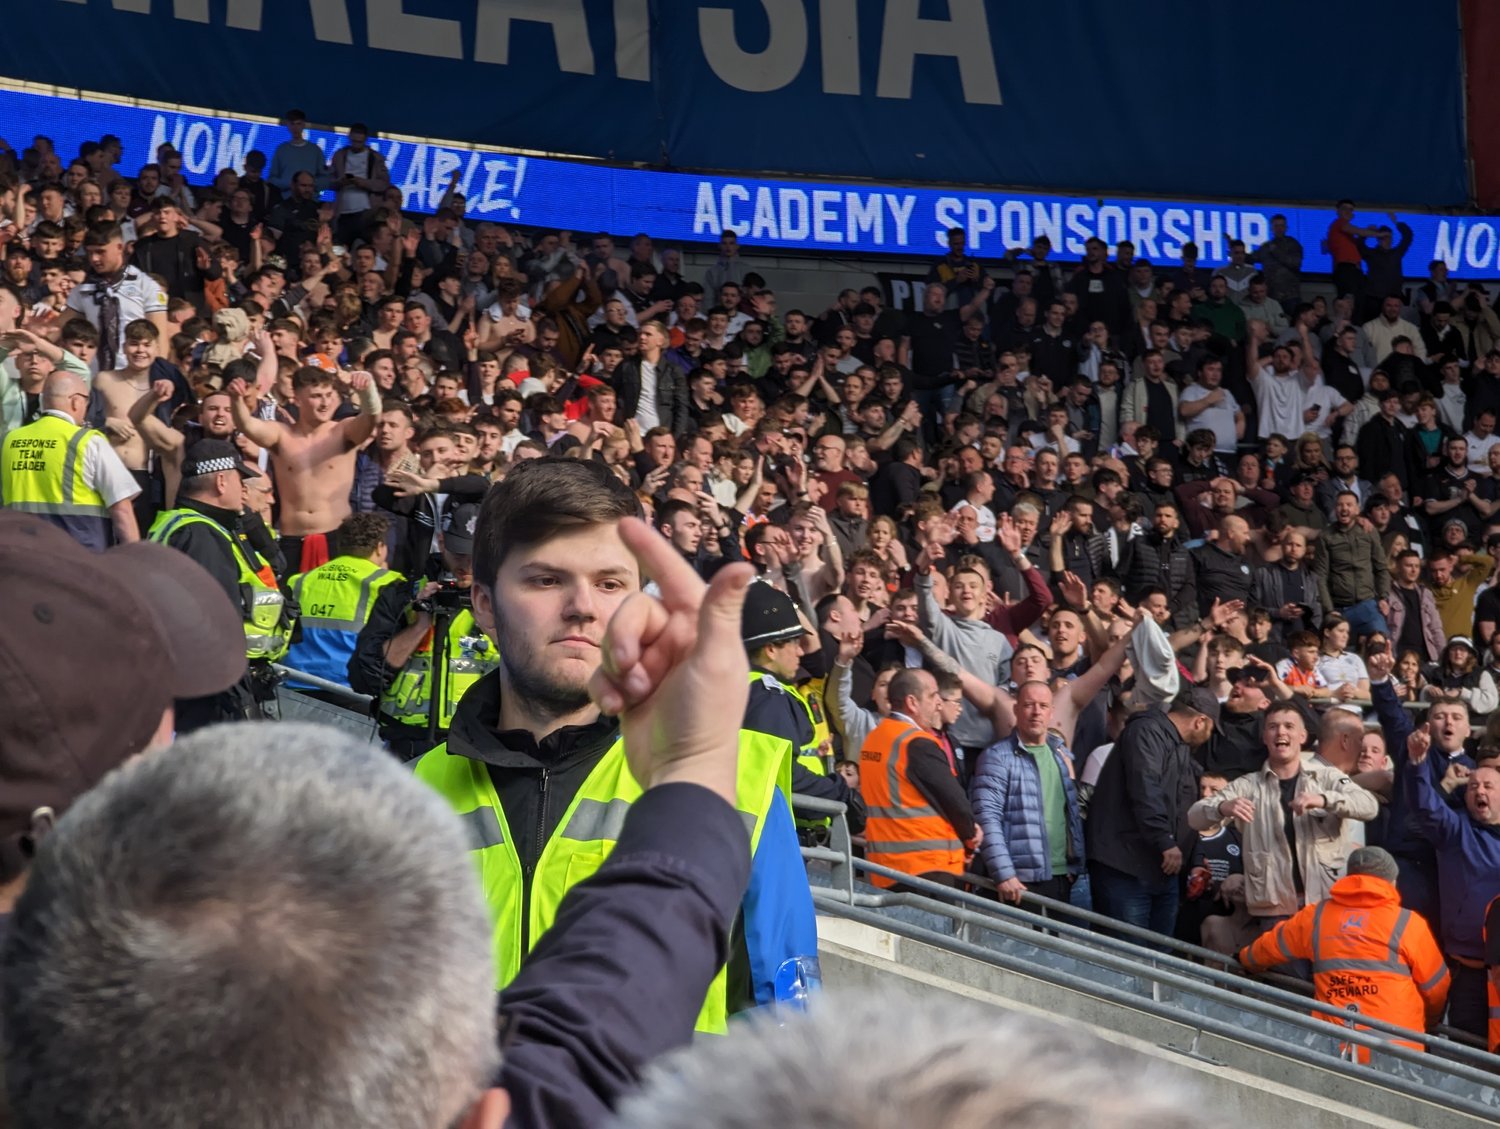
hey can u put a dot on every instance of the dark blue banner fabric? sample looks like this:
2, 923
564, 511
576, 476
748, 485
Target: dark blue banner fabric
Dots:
1281, 100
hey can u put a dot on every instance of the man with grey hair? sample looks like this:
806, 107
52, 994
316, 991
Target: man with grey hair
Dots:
288, 909
305, 942
942, 1064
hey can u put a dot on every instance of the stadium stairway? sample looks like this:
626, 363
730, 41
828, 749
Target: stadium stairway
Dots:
1251, 1046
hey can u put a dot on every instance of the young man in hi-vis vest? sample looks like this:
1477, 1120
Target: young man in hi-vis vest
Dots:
540, 776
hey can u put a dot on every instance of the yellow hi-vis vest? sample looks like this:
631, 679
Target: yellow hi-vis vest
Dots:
471, 656
811, 693
335, 600
582, 840
268, 629
41, 472
808, 755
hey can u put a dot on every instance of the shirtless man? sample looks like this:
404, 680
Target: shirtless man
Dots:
313, 458
120, 389
506, 324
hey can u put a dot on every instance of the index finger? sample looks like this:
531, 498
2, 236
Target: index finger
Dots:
680, 586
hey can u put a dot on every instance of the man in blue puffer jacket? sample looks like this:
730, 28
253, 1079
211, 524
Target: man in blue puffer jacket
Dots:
1023, 797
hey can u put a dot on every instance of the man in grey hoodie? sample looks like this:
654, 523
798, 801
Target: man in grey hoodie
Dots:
964, 634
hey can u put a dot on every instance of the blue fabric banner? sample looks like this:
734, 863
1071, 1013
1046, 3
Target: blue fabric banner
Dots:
1279, 100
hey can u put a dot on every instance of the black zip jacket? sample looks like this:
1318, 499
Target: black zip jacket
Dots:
619, 978
535, 781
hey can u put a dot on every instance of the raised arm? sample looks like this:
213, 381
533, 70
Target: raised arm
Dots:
359, 428
1087, 686
262, 432
161, 438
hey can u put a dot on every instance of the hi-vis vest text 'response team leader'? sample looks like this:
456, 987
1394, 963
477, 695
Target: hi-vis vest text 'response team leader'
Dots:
268, 628
582, 840
41, 472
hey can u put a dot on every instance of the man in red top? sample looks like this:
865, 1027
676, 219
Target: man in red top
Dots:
1342, 245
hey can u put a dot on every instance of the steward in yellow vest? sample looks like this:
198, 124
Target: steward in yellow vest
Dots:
540, 777
336, 598
573, 810
206, 526
773, 633
68, 474
396, 655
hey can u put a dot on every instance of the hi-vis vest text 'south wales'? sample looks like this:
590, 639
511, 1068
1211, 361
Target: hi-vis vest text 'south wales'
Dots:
268, 629
471, 656
335, 599
41, 472
581, 841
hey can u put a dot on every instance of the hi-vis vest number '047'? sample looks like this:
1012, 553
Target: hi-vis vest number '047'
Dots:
902, 830
42, 473
581, 842
335, 599
471, 656
268, 630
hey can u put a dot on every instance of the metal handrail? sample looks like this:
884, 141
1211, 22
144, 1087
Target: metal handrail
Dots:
1124, 956
1202, 1023
337, 689
1127, 957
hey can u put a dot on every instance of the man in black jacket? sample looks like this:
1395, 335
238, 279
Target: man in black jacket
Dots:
212, 489
1222, 572
1383, 441
651, 389
179, 257
551, 566
1137, 825
1160, 560
898, 484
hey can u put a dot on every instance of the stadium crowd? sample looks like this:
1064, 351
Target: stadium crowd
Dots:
1148, 587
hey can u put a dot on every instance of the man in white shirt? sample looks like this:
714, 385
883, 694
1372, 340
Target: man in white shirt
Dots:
1280, 390
1481, 438
1330, 406
1207, 403
979, 492
116, 295
110, 516
1378, 335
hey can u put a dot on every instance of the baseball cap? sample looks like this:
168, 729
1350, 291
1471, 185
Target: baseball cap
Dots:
1462, 641
96, 647
769, 617
215, 456
1200, 699
1375, 861
458, 533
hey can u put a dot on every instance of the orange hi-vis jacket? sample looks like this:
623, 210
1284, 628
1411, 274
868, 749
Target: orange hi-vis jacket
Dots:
902, 830
1368, 955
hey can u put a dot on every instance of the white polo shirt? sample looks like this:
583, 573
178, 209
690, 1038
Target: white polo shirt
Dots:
138, 295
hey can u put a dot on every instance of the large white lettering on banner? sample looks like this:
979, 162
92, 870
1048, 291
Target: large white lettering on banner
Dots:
952, 92
775, 214
962, 36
